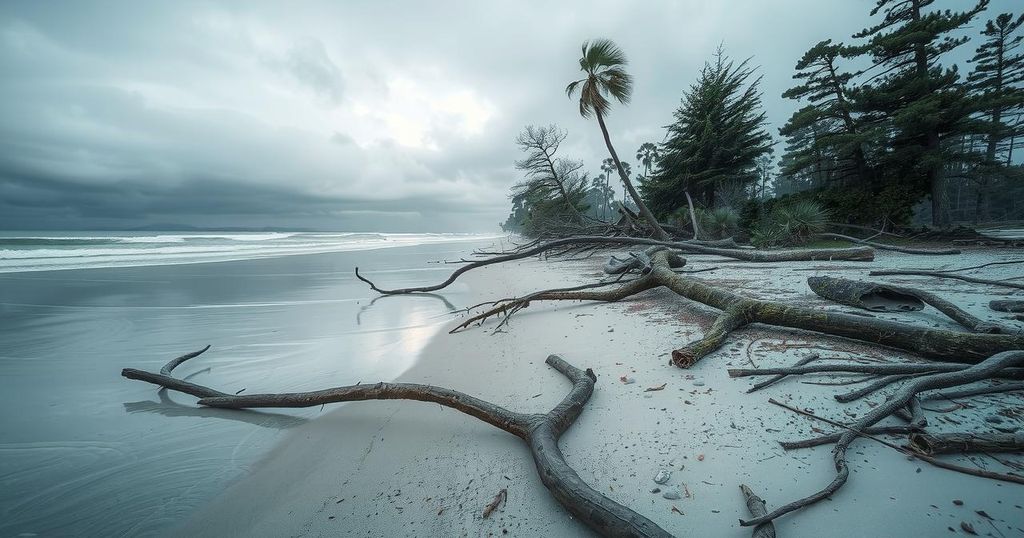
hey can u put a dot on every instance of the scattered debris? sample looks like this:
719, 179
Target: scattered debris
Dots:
659, 387
663, 476
672, 493
493, 505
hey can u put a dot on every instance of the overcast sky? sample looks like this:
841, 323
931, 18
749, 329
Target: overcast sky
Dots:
390, 116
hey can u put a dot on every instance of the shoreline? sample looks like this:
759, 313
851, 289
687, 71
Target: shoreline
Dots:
407, 468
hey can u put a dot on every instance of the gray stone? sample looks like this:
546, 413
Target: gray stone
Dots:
672, 493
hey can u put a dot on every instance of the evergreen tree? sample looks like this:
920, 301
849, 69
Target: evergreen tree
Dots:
718, 133
911, 98
829, 116
996, 83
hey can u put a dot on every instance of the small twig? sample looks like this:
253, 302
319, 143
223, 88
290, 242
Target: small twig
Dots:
493, 505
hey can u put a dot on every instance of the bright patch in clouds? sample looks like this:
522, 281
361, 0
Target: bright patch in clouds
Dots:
420, 114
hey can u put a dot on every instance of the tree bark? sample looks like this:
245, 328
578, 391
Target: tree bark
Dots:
963, 443
540, 431
883, 246
648, 216
940, 274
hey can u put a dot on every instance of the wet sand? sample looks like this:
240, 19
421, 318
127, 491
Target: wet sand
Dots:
413, 469
85, 452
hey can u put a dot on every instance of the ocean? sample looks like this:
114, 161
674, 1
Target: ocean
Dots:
45, 251
86, 452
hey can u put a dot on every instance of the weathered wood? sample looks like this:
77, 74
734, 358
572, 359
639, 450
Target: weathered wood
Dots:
1007, 306
933, 343
901, 398
540, 431
871, 388
756, 507
834, 437
938, 274
875, 369
974, 391
894, 248
964, 443
853, 254
889, 298
867, 295
809, 358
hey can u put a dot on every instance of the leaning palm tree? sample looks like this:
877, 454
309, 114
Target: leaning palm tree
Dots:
606, 77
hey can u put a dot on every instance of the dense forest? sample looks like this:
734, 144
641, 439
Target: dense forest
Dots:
890, 132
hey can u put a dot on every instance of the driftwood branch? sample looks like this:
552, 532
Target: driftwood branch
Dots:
756, 507
540, 431
883, 246
851, 254
1007, 306
809, 358
964, 443
939, 274
982, 370
875, 369
933, 343
889, 298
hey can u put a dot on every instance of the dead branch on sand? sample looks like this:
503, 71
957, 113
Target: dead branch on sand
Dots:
540, 431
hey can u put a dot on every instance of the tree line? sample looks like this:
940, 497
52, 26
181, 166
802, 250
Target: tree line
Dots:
889, 129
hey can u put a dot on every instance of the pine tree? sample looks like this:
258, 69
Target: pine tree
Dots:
829, 115
911, 97
997, 84
718, 133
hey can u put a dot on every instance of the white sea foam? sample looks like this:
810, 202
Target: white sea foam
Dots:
41, 252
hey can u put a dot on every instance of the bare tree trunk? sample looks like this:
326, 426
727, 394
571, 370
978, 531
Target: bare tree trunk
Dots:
644, 211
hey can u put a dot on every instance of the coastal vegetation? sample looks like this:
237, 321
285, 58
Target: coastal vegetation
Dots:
890, 133
886, 132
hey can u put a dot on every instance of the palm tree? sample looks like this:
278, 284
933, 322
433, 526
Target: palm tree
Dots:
647, 155
604, 65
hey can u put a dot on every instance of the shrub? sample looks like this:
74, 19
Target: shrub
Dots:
789, 223
719, 223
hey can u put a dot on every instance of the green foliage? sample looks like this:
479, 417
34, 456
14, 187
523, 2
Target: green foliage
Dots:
719, 223
790, 223
825, 138
716, 138
604, 64
914, 103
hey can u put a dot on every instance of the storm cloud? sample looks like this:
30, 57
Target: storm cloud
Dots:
340, 115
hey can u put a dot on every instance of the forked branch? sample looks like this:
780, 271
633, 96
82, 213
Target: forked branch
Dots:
540, 431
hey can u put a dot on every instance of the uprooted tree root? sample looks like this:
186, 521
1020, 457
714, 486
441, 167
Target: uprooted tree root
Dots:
540, 431
964, 357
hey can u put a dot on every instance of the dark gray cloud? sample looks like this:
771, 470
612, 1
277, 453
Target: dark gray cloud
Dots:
340, 115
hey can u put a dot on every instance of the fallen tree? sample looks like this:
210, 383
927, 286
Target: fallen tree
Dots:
942, 274
851, 254
894, 248
889, 298
968, 357
907, 397
738, 311
539, 431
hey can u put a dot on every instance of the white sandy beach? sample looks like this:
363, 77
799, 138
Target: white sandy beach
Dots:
391, 468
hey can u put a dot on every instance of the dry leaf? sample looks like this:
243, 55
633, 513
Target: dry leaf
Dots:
659, 387
676, 510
